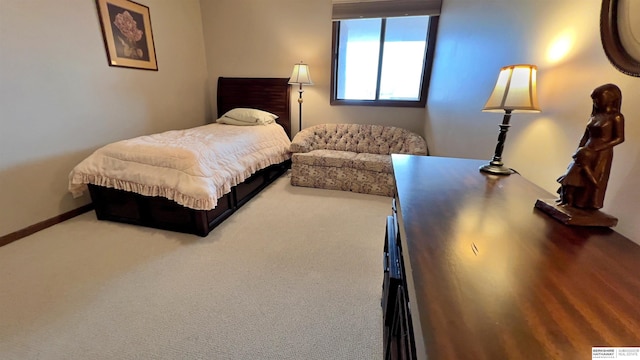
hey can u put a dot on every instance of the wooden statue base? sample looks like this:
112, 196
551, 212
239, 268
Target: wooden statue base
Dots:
575, 216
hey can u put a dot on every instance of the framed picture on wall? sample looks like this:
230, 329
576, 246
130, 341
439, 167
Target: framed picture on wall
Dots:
128, 38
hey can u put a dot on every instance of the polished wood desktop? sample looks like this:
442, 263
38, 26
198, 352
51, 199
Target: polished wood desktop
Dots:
488, 276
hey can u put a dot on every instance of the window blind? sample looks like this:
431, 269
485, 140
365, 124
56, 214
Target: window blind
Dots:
354, 9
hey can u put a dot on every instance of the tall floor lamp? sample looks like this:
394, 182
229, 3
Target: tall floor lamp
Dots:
515, 91
301, 76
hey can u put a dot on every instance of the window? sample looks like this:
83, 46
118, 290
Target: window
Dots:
382, 61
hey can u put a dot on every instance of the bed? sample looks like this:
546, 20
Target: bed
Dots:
171, 208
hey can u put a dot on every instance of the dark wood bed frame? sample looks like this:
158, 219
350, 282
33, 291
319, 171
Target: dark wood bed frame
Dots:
269, 94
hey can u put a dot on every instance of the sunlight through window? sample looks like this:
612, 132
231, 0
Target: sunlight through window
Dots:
400, 42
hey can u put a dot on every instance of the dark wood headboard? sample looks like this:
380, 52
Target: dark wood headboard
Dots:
268, 94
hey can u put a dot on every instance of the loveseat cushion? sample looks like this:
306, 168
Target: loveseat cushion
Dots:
345, 159
373, 162
331, 158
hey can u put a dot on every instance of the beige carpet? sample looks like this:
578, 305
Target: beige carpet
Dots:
294, 274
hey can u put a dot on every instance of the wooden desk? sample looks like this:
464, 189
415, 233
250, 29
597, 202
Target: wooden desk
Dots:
488, 276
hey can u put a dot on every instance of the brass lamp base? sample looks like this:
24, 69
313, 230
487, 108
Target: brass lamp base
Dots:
496, 168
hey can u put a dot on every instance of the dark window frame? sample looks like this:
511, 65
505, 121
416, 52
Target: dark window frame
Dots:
426, 75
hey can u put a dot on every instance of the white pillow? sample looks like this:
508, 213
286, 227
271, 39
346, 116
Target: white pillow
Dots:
251, 115
230, 121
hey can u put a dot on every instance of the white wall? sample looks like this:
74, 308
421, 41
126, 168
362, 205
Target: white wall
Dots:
478, 37
60, 100
259, 38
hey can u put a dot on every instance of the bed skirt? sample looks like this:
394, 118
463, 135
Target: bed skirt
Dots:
161, 213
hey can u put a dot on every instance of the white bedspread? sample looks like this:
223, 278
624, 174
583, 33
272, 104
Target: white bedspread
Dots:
193, 167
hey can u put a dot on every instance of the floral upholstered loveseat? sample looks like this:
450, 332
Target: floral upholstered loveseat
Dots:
351, 157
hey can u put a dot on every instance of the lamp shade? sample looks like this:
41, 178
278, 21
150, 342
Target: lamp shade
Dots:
515, 90
301, 75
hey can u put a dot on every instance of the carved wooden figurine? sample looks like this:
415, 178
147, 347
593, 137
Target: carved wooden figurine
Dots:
583, 186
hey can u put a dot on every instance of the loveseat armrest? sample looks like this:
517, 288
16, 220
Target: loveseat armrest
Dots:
415, 144
303, 141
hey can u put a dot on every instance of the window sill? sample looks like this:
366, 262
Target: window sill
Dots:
386, 103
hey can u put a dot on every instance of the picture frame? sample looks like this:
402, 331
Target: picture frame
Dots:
620, 34
127, 33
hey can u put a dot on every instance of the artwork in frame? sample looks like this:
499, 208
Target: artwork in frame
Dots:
128, 38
